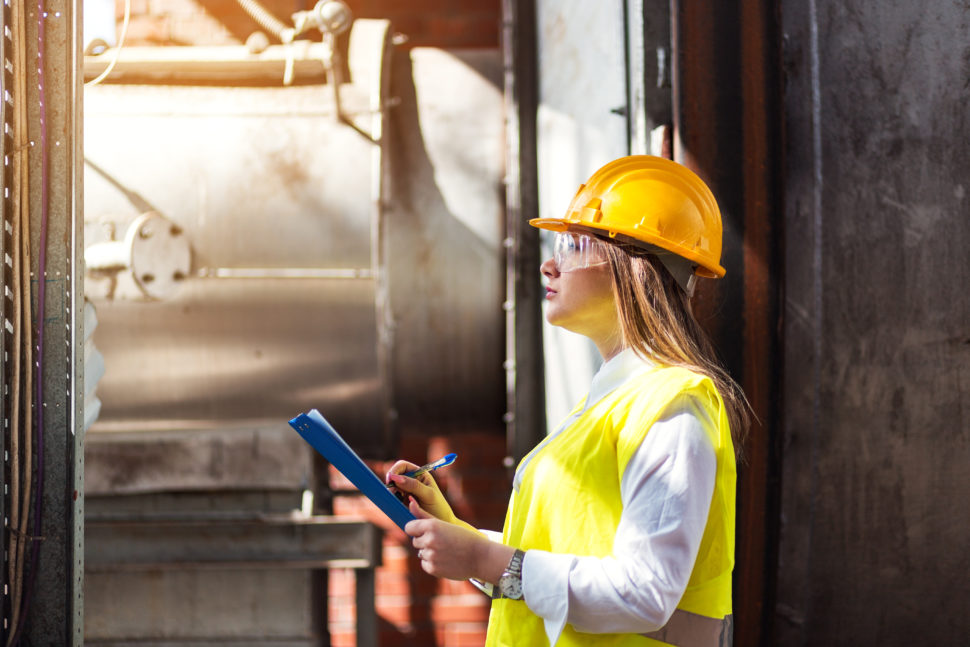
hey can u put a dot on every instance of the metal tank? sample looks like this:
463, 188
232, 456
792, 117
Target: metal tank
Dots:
252, 253
232, 250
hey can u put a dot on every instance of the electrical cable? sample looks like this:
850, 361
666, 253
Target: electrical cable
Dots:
38, 494
21, 418
117, 50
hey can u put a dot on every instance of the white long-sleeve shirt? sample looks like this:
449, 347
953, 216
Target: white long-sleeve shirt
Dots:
666, 493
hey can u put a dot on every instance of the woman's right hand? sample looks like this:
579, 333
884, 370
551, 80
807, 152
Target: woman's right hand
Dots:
424, 489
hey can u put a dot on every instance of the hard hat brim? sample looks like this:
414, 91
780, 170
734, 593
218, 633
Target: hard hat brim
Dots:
559, 224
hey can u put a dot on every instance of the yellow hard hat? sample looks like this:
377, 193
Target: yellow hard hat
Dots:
652, 200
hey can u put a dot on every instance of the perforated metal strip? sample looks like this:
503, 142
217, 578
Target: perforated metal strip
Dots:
6, 301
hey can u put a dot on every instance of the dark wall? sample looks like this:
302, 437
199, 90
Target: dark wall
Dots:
874, 530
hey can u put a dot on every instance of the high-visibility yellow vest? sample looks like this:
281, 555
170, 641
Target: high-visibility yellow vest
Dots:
569, 502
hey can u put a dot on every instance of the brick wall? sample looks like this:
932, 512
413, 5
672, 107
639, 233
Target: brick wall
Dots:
431, 23
415, 609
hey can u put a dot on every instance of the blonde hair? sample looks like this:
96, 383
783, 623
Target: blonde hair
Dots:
657, 322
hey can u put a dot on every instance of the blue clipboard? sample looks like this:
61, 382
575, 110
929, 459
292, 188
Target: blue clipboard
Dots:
322, 437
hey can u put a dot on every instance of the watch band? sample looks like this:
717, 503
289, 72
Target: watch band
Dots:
512, 572
515, 564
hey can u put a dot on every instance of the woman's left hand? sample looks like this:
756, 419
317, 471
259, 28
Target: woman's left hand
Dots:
455, 552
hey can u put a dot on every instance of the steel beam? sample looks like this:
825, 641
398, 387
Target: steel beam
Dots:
267, 542
54, 613
525, 417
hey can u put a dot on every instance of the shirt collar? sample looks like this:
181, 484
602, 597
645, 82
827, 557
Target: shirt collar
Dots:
621, 367
624, 366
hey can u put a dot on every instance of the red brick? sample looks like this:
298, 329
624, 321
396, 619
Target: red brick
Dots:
416, 585
483, 451
444, 612
343, 638
393, 583
341, 583
398, 558
342, 615
459, 587
404, 612
463, 635
358, 506
339, 482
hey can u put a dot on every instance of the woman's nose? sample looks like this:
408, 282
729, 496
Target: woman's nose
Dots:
548, 268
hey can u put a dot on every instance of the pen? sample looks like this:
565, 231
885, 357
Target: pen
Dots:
430, 467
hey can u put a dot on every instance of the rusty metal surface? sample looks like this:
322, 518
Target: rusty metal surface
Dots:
726, 128
758, 479
877, 325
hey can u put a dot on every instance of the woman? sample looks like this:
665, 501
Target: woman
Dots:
620, 528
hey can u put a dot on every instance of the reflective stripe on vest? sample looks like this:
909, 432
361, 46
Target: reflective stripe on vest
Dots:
686, 629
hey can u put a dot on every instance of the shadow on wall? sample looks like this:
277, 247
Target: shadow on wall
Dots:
444, 231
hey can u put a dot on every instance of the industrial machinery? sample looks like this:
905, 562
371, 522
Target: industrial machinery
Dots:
231, 241
259, 242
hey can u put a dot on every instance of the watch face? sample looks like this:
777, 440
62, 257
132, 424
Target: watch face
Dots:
511, 586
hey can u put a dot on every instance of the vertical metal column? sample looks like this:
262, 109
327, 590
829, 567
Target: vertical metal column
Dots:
726, 127
648, 70
525, 417
6, 308
55, 611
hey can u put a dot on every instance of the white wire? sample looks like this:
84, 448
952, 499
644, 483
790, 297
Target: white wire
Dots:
117, 52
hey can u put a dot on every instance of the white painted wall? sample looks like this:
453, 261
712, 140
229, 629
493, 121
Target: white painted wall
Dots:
582, 78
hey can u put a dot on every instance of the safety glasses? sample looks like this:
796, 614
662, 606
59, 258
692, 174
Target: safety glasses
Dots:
573, 251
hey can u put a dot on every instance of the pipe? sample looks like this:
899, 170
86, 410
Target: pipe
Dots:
267, 21
117, 53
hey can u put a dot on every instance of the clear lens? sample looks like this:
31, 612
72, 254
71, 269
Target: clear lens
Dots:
577, 251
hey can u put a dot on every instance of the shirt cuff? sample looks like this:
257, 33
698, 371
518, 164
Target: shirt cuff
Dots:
492, 535
545, 585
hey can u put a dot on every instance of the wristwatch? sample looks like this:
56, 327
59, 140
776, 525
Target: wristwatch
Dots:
510, 584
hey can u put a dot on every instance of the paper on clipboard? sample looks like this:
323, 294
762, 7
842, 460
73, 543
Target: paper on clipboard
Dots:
323, 437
